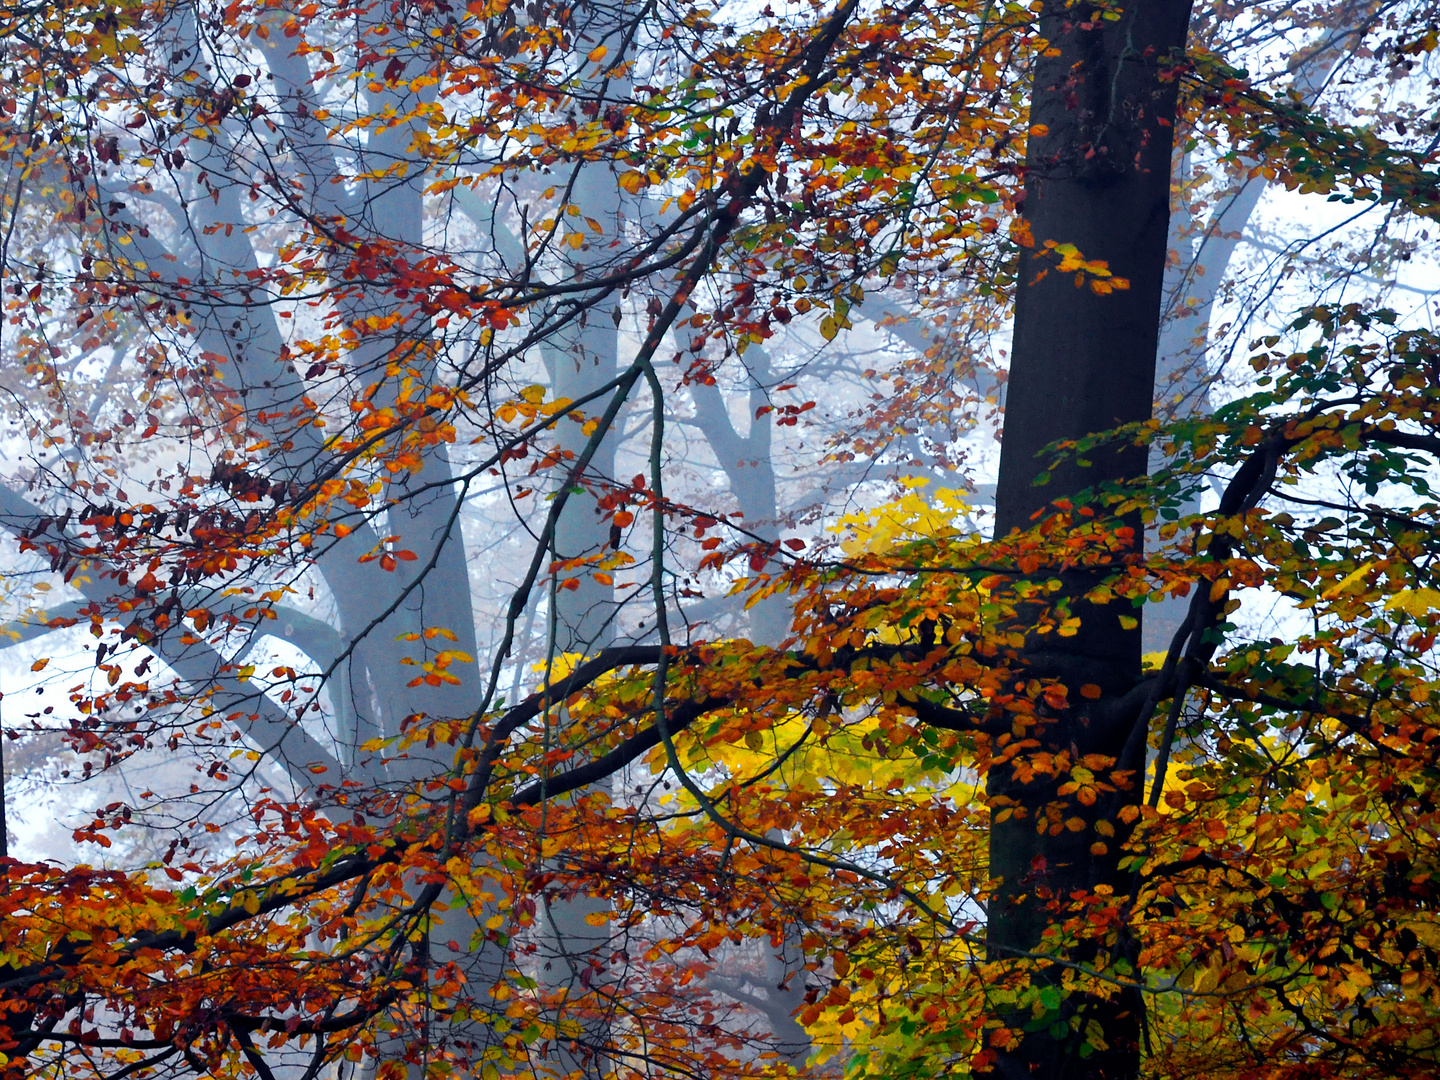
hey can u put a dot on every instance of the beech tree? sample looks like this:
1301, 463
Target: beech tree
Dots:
349, 356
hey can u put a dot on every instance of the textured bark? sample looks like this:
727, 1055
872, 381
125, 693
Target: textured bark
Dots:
1097, 178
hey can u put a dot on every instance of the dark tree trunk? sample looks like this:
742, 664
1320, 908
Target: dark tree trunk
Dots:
1081, 363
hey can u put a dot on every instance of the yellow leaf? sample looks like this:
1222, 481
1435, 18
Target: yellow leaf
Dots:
1417, 602
533, 394
597, 54
828, 328
1345, 582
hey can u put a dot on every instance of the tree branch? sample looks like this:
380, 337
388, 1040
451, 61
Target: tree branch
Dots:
198, 662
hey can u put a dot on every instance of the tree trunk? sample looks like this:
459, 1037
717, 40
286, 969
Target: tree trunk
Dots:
1098, 178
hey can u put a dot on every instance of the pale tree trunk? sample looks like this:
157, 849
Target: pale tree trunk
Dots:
749, 466
582, 362
576, 956
1193, 278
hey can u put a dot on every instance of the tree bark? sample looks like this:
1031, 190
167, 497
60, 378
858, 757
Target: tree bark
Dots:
1098, 177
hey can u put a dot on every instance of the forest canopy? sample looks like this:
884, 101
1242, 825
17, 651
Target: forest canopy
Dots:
590, 540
